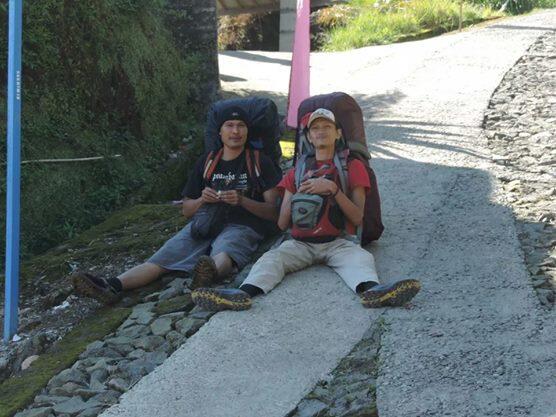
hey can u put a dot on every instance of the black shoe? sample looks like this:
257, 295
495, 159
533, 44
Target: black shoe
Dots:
94, 287
215, 299
205, 273
390, 295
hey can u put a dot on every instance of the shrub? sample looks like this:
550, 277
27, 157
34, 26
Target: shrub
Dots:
249, 31
387, 21
100, 78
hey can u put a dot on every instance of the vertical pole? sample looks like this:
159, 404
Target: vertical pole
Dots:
14, 169
300, 71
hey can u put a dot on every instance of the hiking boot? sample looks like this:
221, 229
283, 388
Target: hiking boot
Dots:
205, 273
94, 287
218, 299
390, 295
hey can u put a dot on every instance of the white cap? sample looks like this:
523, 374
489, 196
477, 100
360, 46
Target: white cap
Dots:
321, 114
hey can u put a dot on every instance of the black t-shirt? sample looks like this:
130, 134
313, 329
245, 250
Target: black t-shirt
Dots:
230, 175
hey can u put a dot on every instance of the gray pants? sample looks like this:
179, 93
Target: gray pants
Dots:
181, 252
350, 261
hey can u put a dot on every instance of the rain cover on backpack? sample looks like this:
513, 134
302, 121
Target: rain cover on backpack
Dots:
264, 126
349, 117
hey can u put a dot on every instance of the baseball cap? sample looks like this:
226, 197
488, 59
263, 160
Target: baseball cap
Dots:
321, 114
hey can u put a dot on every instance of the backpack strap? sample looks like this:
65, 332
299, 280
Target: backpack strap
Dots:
300, 169
341, 163
253, 161
210, 164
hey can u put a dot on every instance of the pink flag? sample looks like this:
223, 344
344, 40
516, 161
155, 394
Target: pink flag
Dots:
300, 70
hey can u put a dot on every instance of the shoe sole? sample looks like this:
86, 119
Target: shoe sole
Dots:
209, 299
85, 287
401, 293
204, 273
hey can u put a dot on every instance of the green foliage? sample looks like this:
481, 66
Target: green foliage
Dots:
246, 31
387, 21
545, 4
100, 78
326, 19
133, 232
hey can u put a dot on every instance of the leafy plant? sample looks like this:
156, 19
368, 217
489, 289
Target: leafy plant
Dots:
387, 21
100, 78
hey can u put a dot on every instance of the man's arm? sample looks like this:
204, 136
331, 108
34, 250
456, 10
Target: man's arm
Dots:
353, 208
267, 209
285, 217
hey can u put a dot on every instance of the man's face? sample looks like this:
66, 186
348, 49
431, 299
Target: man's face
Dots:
233, 134
323, 134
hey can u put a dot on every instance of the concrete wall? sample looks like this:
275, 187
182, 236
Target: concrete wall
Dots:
195, 28
288, 15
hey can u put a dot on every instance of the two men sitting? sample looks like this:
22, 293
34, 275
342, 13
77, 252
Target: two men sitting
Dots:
249, 205
323, 243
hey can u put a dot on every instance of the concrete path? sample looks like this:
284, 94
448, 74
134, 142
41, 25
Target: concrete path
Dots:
476, 342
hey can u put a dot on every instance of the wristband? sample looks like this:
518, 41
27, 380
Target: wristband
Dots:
337, 191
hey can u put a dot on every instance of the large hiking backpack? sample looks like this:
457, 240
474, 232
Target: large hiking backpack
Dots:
352, 145
264, 126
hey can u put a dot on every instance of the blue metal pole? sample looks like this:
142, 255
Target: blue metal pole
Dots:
14, 169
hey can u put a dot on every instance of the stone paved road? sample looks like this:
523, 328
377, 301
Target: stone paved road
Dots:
476, 342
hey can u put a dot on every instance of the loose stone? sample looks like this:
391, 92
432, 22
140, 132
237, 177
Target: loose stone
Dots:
48, 400
198, 313
91, 412
118, 384
137, 354
152, 297
148, 343
189, 326
67, 375
107, 397
134, 331
181, 303
169, 293
310, 408
68, 389
28, 361
35, 412
161, 326
175, 338
87, 393
74, 406
144, 317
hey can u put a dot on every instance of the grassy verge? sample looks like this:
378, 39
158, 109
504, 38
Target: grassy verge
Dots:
383, 22
133, 232
17, 392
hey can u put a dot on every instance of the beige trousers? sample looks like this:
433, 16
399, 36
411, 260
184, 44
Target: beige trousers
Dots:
350, 261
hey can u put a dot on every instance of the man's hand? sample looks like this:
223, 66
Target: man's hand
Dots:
320, 186
208, 195
231, 197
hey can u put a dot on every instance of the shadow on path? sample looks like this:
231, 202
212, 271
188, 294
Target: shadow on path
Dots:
255, 57
517, 27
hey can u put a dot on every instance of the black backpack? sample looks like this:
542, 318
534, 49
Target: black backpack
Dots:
264, 127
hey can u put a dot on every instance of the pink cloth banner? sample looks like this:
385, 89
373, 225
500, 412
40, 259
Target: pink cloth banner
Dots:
300, 70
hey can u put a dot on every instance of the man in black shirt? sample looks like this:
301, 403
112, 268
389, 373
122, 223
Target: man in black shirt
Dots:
245, 207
